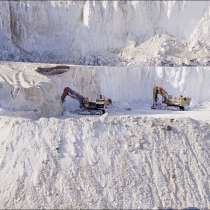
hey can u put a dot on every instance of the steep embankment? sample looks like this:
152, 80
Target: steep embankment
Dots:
112, 162
95, 32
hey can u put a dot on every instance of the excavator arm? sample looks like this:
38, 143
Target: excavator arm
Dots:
73, 94
159, 91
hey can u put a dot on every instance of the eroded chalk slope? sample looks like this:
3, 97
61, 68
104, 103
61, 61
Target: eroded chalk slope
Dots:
111, 162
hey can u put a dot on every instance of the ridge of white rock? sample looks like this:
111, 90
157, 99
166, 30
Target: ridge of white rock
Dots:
95, 32
23, 90
112, 162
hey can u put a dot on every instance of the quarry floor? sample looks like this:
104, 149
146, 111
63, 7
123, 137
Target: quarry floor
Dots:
200, 113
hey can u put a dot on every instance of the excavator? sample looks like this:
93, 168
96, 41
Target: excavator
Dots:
87, 107
180, 103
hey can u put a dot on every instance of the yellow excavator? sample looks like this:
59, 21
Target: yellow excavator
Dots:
87, 107
167, 101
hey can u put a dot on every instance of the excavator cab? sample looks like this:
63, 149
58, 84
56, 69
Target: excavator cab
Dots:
97, 107
170, 97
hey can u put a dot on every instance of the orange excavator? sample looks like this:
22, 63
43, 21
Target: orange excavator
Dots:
87, 107
167, 101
